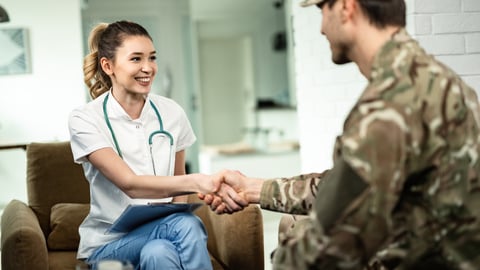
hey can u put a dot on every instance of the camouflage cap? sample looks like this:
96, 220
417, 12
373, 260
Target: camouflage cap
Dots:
307, 3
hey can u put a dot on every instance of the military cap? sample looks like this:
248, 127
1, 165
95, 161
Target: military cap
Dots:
307, 3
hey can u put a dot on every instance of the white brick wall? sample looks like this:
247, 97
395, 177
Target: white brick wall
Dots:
449, 29
471, 5
460, 22
443, 44
472, 43
437, 6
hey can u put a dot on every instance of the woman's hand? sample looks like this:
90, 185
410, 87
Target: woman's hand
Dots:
226, 199
208, 184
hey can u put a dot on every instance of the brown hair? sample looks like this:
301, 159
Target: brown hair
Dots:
384, 13
103, 41
381, 13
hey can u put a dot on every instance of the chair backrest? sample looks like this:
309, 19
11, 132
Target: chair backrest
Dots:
53, 177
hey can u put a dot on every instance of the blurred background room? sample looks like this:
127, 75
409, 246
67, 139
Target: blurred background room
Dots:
254, 76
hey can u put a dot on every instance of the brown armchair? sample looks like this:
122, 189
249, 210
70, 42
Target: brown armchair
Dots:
43, 234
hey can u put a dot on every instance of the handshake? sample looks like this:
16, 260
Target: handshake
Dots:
232, 191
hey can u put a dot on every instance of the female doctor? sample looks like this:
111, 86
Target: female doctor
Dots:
131, 144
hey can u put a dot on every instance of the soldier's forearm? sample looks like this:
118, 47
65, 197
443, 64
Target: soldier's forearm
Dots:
290, 195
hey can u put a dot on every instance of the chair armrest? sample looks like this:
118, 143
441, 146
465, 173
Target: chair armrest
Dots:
23, 242
236, 240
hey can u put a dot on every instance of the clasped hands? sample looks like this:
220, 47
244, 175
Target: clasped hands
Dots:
233, 192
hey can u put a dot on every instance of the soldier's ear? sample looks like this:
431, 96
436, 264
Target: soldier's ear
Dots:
348, 10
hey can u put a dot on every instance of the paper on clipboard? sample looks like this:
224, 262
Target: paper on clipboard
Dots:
137, 214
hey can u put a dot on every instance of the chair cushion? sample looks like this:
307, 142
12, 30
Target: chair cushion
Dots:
53, 177
65, 218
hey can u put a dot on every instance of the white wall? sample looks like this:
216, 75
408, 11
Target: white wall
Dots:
449, 29
35, 106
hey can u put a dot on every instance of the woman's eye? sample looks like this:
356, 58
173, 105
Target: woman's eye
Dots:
153, 57
136, 59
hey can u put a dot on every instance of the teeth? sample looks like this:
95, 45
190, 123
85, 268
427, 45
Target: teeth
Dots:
143, 79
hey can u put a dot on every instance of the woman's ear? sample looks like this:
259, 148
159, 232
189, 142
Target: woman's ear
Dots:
106, 66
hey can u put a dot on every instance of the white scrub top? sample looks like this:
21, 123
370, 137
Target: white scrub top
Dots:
89, 132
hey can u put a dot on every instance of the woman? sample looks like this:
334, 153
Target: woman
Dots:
131, 144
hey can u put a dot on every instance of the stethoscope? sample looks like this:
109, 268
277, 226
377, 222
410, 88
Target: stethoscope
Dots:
160, 132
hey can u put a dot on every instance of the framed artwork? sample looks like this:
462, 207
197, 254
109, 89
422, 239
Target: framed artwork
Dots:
15, 52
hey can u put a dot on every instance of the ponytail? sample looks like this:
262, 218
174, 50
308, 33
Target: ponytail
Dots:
96, 80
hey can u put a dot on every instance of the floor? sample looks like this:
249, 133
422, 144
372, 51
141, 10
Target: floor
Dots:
270, 234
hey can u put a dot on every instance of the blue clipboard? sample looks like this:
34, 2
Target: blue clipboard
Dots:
137, 214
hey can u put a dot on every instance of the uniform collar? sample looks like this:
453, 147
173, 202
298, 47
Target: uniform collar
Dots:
116, 111
389, 58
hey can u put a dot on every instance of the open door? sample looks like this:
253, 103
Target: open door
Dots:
226, 81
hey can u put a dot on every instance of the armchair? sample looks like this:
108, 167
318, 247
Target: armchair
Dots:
43, 233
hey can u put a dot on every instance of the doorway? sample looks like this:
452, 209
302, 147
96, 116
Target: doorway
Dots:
226, 81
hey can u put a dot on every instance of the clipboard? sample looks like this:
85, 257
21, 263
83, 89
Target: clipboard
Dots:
137, 214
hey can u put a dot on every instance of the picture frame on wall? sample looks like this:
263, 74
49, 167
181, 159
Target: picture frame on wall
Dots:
15, 52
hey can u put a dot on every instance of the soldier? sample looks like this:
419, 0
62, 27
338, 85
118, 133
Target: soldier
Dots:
404, 189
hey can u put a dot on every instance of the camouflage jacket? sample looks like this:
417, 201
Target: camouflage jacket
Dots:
404, 188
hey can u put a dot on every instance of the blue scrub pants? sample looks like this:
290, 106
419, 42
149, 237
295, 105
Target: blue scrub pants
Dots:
178, 241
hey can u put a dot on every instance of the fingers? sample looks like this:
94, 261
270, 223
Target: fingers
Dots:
227, 199
218, 206
222, 201
207, 198
217, 201
228, 195
239, 172
232, 198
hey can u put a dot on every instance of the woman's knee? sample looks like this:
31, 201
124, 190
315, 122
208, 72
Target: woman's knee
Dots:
191, 224
159, 252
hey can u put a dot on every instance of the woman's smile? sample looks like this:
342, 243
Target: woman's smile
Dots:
144, 81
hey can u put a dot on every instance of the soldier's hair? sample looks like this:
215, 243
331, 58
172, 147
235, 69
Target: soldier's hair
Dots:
384, 13
381, 13
104, 41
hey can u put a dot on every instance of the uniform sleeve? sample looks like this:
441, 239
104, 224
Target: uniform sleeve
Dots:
186, 137
352, 213
85, 136
294, 195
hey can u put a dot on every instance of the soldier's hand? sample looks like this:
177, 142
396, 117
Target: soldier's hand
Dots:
226, 199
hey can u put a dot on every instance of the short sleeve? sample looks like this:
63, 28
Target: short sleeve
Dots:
85, 135
186, 136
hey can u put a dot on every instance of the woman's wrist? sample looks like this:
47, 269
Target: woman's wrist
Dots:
202, 183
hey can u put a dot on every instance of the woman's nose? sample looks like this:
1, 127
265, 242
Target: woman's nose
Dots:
148, 67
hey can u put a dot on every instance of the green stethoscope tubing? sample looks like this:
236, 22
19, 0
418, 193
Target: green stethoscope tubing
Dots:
161, 131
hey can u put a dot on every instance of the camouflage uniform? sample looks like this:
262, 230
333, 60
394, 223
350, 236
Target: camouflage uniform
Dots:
404, 189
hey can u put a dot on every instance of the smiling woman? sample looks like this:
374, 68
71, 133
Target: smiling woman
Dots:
108, 136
